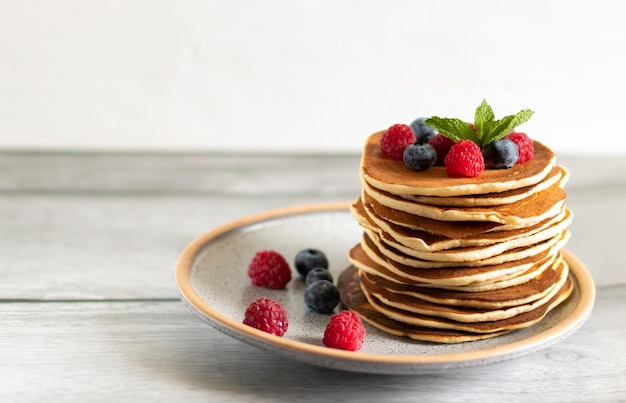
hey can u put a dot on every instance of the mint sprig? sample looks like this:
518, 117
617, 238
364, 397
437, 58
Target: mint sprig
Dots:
487, 128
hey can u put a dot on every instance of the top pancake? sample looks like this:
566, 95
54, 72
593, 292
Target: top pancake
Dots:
558, 175
394, 177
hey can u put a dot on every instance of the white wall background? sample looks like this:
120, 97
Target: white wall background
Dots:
304, 75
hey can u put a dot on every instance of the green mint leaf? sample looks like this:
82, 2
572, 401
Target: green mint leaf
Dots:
506, 125
522, 117
454, 129
482, 120
500, 129
487, 128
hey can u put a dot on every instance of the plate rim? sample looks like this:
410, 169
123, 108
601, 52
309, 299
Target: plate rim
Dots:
356, 360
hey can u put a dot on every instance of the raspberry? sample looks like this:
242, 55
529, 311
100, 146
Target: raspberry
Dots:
524, 145
464, 159
395, 140
345, 331
269, 269
266, 315
442, 145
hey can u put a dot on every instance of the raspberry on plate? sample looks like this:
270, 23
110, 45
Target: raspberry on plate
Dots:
395, 140
464, 159
266, 315
442, 145
345, 331
269, 269
524, 145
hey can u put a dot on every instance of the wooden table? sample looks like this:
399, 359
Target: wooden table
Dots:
90, 310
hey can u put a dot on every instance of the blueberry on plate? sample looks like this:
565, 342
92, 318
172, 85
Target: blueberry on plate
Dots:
318, 273
308, 259
321, 296
423, 133
419, 157
500, 154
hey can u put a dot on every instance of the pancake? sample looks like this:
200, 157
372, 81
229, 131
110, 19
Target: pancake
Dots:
353, 298
528, 211
424, 241
459, 278
393, 176
449, 229
464, 318
519, 321
479, 253
558, 175
391, 250
468, 305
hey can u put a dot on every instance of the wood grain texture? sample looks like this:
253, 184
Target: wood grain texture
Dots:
97, 226
182, 174
90, 310
160, 351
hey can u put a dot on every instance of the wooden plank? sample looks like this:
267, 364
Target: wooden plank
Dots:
182, 174
160, 351
84, 247
158, 173
108, 226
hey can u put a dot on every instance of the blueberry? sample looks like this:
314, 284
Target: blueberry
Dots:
321, 296
318, 273
419, 157
422, 132
500, 154
308, 259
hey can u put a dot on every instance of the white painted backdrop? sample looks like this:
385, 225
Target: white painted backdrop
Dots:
304, 75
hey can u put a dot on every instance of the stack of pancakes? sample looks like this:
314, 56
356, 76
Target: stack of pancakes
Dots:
449, 260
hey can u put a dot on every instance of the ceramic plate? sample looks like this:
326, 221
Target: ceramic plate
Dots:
211, 275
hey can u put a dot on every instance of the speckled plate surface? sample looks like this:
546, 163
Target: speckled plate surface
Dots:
211, 275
